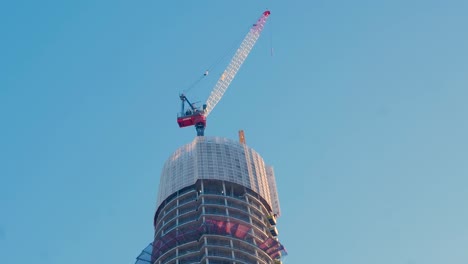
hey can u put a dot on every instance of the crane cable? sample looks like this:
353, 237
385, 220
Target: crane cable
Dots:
228, 51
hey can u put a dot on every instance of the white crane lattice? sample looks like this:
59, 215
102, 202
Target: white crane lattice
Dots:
236, 62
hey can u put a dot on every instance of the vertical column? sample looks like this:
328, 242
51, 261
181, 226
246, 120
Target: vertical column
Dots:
232, 249
177, 213
225, 200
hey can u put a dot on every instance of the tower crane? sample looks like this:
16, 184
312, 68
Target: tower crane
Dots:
195, 116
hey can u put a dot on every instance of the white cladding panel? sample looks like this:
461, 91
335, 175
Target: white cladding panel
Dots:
220, 159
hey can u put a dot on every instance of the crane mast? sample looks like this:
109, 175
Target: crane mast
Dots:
197, 116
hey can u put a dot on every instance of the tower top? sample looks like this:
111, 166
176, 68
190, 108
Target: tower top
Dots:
218, 158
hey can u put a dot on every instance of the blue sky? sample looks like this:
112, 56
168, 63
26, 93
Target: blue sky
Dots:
361, 110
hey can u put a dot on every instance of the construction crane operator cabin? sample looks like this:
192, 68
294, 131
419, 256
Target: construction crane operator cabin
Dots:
217, 200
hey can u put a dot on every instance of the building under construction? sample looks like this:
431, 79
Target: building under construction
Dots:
217, 204
217, 200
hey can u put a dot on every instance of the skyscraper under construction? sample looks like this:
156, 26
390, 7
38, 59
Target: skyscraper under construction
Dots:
217, 204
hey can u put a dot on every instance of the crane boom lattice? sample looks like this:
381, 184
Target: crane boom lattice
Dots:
236, 62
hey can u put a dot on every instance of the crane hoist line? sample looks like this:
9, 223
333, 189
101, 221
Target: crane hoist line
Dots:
196, 116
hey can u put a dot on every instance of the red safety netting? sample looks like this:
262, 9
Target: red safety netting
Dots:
215, 227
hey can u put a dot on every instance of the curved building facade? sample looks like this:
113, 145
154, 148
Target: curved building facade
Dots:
220, 159
217, 204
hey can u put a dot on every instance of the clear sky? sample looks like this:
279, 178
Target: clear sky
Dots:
362, 110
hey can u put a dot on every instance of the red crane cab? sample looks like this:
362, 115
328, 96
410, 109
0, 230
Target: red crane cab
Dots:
190, 119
